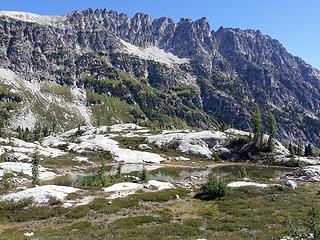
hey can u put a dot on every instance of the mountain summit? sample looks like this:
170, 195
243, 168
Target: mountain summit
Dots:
99, 66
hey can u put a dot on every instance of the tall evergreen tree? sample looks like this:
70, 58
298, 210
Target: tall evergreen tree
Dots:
36, 133
291, 150
45, 131
1, 125
20, 132
118, 171
300, 150
144, 174
272, 132
35, 169
310, 149
257, 126
54, 126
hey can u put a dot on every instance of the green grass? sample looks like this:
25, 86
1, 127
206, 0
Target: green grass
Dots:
245, 213
107, 108
56, 89
132, 142
78, 212
67, 160
24, 211
132, 222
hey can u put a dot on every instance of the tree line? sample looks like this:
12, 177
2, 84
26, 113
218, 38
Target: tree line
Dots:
258, 138
259, 143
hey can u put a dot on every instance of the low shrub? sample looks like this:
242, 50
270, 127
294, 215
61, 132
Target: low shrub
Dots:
23, 211
131, 222
80, 225
213, 188
162, 196
243, 172
102, 205
78, 212
72, 196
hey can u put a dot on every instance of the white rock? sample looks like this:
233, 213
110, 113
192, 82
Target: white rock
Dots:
124, 127
154, 184
53, 141
245, 184
124, 189
181, 158
25, 168
28, 234
78, 202
290, 184
104, 143
153, 53
40, 194
193, 147
144, 147
310, 174
310, 160
132, 156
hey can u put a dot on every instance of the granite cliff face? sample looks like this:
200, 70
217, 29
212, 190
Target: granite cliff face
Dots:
201, 76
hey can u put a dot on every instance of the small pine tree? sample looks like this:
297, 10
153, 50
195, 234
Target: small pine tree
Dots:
223, 127
101, 176
45, 131
35, 169
6, 181
118, 172
144, 174
1, 126
36, 134
243, 172
78, 133
272, 132
216, 157
26, 134
98, 121
54, 126
214, 188
20, 134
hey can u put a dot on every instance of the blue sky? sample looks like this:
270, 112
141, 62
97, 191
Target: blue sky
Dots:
295, 23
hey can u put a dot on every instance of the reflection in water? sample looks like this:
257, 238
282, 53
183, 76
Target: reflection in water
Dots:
171, 174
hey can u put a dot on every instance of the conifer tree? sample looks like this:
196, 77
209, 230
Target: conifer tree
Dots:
35, 169
272, 132
6, 181
54, 126
19, 130
291, 150
45, 131
118, 172
1, 126
36, 134
144, 174
257, 126
310, 150
299, 151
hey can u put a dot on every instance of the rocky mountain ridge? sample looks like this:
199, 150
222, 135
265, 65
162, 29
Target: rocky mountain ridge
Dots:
225, 71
